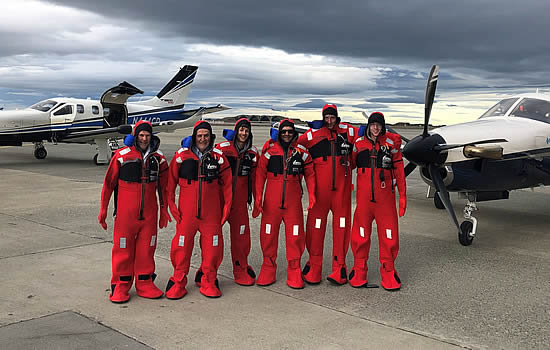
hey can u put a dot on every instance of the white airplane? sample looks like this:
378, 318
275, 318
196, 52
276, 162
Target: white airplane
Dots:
102, 122
507, 148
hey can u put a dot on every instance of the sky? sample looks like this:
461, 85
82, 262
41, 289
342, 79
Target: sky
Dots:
281, 57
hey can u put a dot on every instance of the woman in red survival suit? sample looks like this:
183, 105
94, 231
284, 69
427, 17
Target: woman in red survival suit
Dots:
135, 174
330, 143
283, 163
201, 173
377, 156
243, 158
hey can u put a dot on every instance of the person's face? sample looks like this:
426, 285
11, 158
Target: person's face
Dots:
330, 120
202, 140
375, 129
242, 134
143, 140
287, 133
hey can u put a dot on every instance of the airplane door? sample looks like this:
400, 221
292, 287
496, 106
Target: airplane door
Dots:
63, 114
114, 103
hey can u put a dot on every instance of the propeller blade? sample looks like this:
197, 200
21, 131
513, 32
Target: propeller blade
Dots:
445, 147
442, 192
409, 168
429, 99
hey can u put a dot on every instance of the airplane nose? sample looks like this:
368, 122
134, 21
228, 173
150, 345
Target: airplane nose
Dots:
421, 152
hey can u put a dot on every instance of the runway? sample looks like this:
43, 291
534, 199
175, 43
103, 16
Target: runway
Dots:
493, 294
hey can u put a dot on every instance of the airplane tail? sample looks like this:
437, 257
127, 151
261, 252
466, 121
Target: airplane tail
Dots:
176, 91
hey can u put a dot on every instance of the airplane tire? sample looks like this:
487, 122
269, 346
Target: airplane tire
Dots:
464, 236
40, 153
438, 202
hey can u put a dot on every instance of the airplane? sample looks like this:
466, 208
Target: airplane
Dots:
507, 148
102, 122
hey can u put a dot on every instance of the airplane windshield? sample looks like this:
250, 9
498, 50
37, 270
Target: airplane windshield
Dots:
44, 106
499, 109
533, 108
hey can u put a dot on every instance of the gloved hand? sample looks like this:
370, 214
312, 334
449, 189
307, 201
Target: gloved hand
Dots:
312, 202
402, 205
164, 218
174, 211
257, 210
101, 218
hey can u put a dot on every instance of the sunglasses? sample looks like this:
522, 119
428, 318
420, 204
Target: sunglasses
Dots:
287, 131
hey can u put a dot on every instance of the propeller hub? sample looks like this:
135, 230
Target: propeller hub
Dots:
420, 150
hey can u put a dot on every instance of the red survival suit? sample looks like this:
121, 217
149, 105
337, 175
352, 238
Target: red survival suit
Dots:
200, 182
283, 170
243, 168
331, 152
379, 171
135, 178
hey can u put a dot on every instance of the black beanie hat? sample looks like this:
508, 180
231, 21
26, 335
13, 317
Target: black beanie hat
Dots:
143, 125
378, 117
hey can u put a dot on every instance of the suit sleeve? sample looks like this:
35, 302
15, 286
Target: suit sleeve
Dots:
163, 173
398, 166
261, 175
304, 140
172, 180
253, 172
111, 181
309, 174
226, 182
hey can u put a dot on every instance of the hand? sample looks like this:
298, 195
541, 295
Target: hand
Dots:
402, 205
257, 210
101, 218
175, 212
164, 218
312, 202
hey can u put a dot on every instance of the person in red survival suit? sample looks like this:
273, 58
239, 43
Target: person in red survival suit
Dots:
135, 174
243, 158
330, 144
201, 173
377, 156
283, 163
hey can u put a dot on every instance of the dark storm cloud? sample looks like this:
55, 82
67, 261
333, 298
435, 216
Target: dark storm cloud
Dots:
312, 104
498, 37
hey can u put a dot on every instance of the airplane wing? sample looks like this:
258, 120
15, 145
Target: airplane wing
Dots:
191, 116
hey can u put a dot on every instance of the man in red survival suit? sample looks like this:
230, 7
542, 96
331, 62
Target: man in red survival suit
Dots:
283, 164
201, 173
330, 143
377, 155
243, 158
135, 174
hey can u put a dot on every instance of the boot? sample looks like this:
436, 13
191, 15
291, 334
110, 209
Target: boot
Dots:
175, 289
198, 277
294, 275
313, 270
244, 276
339, 273
358, 275
268, 273
146, 288
210, 286
389, 278
120, 291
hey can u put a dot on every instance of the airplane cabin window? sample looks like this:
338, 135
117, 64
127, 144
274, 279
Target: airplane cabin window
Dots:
533, 108
44, 106
95, 109
79, 109
499, 109
65, 110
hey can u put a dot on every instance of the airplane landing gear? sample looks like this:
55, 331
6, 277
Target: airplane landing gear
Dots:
437, 202
468, 227
39, 150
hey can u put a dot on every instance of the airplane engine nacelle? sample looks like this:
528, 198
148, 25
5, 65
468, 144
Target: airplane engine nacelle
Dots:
446, 173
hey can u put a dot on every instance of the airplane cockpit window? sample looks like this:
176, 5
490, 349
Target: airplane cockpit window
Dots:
44, 106
65, 110
533, 108
499, 109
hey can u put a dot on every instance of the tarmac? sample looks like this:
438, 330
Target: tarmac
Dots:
55, 263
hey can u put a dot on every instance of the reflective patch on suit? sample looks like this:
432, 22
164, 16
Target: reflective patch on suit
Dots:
124, 151
304, 157
362, 232
225, 144
217, 151
317, 223
295, 230
181, 241
153, 241
159, 152
388, 233
303, 148
342, 222
120, 160
220, 161
267, 155
123, 242
162, 160
267, 229
388, 140
350, 131
394, 150
178, 160
215, 241
243, 228
309, 136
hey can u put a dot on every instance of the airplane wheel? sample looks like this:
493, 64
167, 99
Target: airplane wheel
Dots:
95, 160
40, 153
464, 236
438, 203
